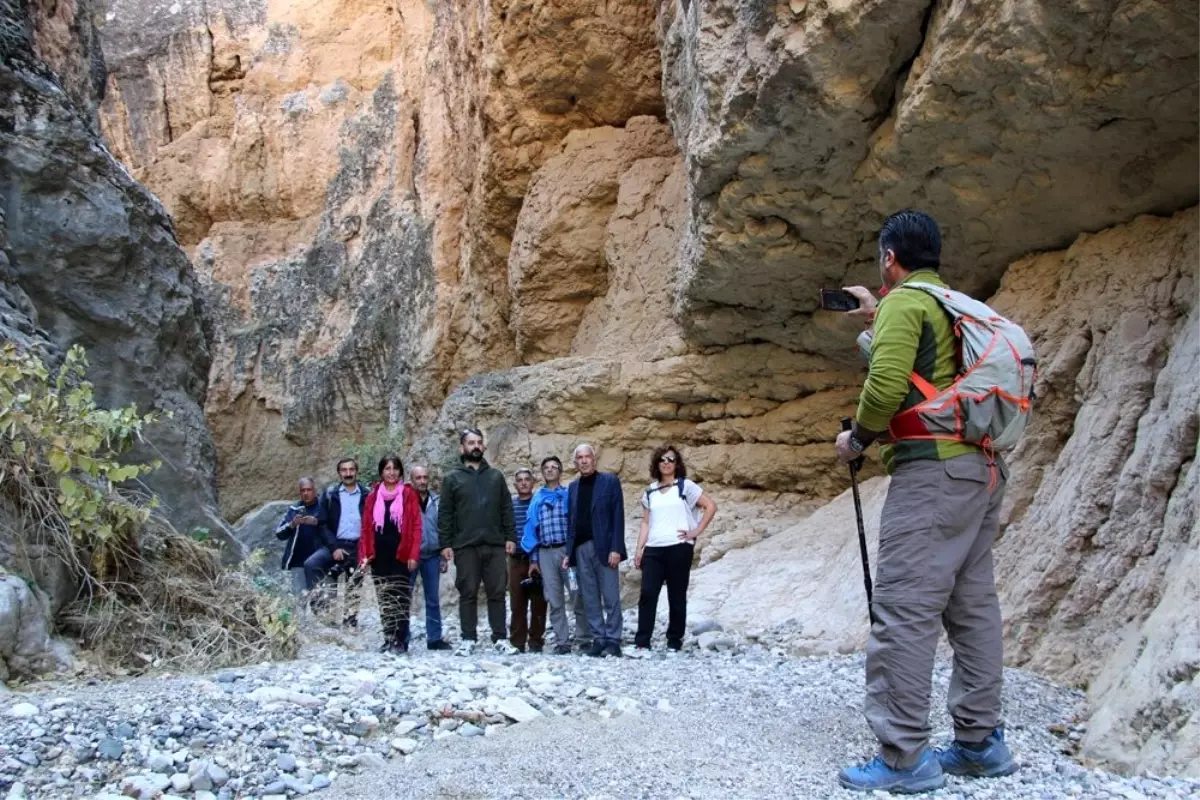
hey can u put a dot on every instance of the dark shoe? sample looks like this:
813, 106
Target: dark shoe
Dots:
440, 644
676, 646
924, 776
596, 651
994, 760
386, 646
562, 650
536, 648
612, 649
350, 621
399, 648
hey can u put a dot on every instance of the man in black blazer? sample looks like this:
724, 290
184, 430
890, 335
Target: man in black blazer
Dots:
596, 547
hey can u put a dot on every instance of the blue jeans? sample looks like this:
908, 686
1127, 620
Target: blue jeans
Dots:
429, 569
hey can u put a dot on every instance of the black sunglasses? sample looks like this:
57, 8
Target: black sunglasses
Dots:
667, 459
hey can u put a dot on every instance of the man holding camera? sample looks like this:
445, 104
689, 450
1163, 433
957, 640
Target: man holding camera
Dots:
528, 622
301, 529
935, 540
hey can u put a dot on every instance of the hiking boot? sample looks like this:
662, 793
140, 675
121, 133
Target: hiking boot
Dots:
924, 776
612, 649
440, 644
505, 648
465, 648
562, 650
991, 761
595, 651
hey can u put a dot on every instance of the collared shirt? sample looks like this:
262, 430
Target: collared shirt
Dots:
552, 520
350, 521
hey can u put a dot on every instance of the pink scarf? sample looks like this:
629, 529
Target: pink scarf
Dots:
397, 510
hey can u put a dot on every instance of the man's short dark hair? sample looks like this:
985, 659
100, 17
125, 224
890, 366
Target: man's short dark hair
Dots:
462, 437
346, 461
548, 459
915, 239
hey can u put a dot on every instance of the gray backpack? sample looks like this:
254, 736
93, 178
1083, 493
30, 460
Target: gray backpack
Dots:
990, 402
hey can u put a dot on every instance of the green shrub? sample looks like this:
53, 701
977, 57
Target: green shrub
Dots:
149, 596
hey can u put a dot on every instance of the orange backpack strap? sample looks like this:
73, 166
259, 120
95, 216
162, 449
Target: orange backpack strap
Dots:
923, 386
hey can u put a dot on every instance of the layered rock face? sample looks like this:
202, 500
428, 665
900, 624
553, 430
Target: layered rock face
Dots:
347, 179
1098, 556
87, 256
1017, 126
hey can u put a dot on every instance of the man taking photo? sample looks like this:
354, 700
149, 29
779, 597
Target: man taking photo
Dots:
935, 540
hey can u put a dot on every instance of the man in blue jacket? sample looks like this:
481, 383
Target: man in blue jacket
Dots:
596, 547
300, 528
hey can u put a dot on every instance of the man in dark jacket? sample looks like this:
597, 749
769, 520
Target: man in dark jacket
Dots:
476, 530
341, 526
431, 566
596, 547
301, 529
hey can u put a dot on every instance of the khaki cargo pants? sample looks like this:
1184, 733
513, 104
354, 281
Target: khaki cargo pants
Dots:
934, 571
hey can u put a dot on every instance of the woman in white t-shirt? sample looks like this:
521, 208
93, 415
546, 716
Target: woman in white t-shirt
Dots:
666, 543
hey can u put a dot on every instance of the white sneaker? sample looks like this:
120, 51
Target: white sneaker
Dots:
465, 648
639, 652
505, 648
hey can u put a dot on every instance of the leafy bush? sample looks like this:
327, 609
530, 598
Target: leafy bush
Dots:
148, 595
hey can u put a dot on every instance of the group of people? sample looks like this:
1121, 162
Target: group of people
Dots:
547, 550
934, 564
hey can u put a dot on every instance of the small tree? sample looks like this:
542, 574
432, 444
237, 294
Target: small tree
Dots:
59, 454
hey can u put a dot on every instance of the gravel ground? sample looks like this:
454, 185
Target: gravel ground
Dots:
728, 718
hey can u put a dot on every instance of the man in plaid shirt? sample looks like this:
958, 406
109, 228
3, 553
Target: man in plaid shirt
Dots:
545, 539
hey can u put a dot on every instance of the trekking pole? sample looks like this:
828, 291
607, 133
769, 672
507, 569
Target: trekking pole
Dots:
855, 466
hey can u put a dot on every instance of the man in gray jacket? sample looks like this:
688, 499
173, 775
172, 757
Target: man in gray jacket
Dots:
431, 565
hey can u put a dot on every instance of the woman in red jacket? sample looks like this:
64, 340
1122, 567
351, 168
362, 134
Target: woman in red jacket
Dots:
391, 543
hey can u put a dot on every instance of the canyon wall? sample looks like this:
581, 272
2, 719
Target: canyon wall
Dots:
569, 222
88, 256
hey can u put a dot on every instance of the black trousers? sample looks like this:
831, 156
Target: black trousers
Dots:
392, 592
673, 566
486, 564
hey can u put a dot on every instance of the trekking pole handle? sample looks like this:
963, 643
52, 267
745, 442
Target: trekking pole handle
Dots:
856, 464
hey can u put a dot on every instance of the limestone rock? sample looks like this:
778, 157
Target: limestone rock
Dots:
807, 578
1101, 510
256, 530
26, 648
347, 182
803, 126
89, 257
557, 264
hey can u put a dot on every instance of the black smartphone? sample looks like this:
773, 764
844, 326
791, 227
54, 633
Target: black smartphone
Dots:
837, 300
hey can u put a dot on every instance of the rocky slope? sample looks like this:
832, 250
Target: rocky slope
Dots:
430, 217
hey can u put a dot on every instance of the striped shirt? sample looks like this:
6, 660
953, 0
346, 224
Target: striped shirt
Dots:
520, 513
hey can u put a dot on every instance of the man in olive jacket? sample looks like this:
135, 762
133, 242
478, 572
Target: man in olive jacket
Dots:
475, 529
